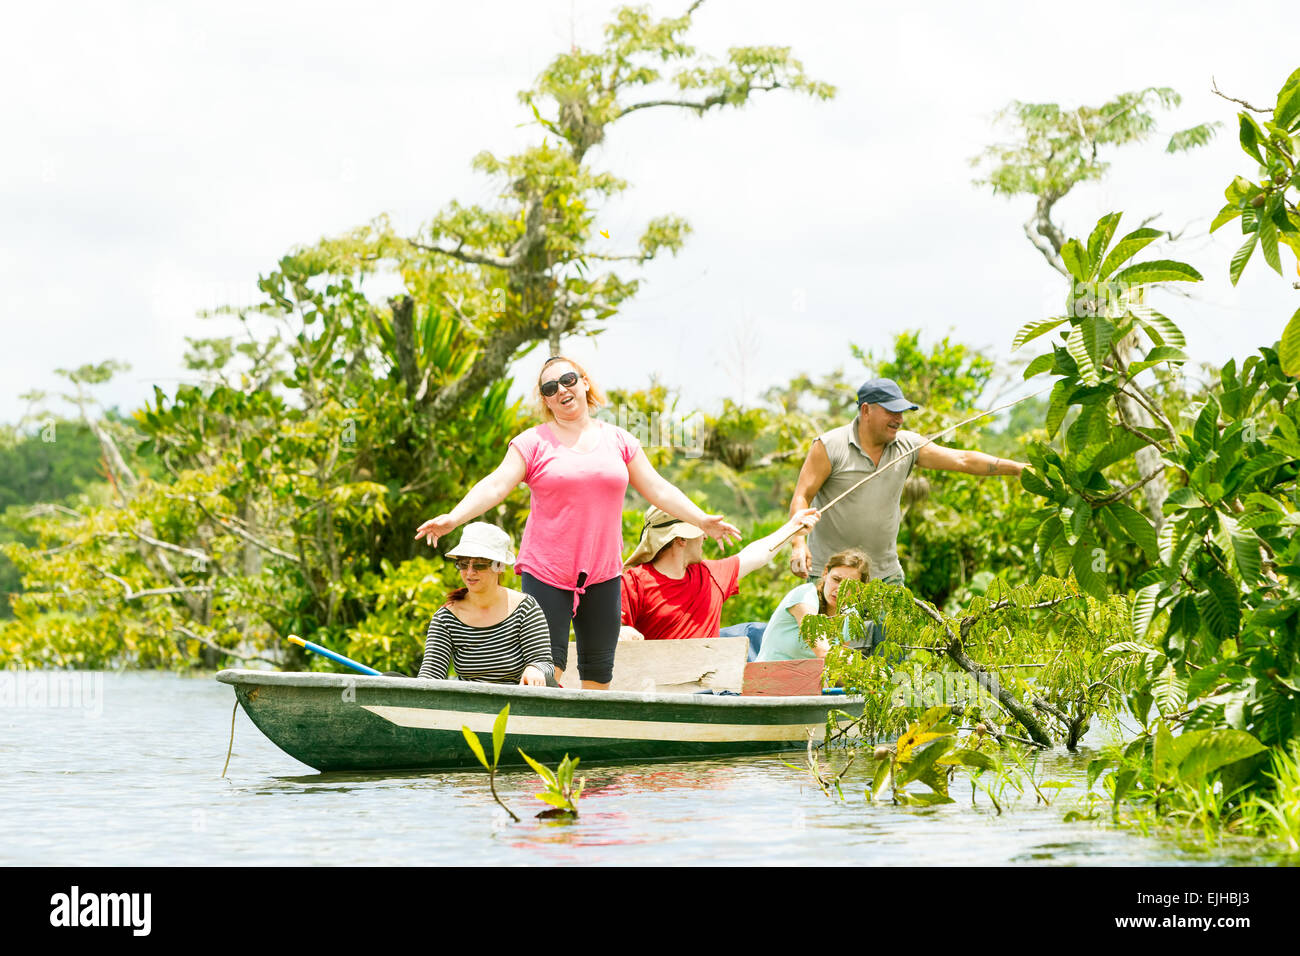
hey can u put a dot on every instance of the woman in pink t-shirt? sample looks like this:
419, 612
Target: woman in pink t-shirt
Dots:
570, 558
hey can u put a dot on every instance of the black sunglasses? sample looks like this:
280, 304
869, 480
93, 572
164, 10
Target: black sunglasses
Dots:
568, 380
464, 564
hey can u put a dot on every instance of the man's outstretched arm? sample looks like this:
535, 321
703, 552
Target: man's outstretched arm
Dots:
967, 461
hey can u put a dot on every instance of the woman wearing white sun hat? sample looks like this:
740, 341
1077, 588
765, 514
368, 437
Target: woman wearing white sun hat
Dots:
486, 631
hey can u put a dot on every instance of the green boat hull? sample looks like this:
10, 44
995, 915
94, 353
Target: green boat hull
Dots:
344, 722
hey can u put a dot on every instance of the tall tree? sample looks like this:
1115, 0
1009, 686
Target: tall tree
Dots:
295, 474
1053, 150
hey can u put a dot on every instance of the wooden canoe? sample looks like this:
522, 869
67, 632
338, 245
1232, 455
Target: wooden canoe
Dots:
355, 722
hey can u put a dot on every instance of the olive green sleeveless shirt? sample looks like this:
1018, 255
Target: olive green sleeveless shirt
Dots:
868, 518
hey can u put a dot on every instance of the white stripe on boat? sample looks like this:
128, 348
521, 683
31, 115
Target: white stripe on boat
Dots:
523, 724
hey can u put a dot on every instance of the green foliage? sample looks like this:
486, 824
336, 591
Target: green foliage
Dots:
1216, 615
1221, 595
561, 792
1200, 779
273, 515
49, 464
1266, 205
1055, 149
498, 739
1032, 654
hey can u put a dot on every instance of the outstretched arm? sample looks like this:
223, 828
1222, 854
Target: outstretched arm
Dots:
663, 494
488, 493
758, 553
967, 461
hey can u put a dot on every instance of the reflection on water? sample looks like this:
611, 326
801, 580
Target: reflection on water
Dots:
139, 784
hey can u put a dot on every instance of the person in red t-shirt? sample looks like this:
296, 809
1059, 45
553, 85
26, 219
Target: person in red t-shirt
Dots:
672, 592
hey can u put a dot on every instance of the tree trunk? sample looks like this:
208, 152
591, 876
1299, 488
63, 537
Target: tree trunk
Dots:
1149, 462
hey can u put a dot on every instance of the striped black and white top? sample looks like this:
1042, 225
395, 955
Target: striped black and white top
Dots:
497, 654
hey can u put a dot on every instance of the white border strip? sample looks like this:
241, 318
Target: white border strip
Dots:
427, 719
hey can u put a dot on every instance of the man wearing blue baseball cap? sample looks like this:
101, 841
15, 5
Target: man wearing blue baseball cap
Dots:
868, 518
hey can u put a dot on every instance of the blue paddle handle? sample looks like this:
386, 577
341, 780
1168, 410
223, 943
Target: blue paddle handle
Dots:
326, 652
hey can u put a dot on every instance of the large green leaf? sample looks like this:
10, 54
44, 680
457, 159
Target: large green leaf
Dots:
540, 769
882, 778
471, 738
1244, 471
1215, 749
1090, 430
1031, 481
1032, 330
1143, 610
1123, 782
1076, 260
1206, 429
1077, 346
1058, 404
1158, 270
1170, 690
924, 799
1241, 257
1086, 555
1040, 364
1138, 527
1164, 760
1226, 215
975, 759
1047, 534
554, 799
1205, 679
1062, 555
1288, 353
1245, 551
1101, 236
1161, 353
1162, 329
1287, 110
1127, 248
922, 760
1268, 244
499, 733
1220, 606
1249, 135
1121, 446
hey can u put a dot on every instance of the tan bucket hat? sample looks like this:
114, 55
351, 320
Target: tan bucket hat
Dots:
660, 528
483, 540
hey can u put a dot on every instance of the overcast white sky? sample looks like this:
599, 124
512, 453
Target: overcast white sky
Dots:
158, 156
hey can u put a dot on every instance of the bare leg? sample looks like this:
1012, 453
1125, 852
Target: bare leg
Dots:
594, 685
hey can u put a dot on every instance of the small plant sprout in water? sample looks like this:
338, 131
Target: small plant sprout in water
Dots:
926, 753
498, 738
560, 791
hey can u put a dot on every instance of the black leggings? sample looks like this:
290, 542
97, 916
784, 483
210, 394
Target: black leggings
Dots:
596, 624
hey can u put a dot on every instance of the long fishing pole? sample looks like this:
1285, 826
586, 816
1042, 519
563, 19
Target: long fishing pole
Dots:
880, 471
332, 655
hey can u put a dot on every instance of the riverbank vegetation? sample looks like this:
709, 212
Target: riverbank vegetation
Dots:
1196, 637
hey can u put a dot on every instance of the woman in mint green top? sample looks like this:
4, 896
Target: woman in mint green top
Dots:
781, 641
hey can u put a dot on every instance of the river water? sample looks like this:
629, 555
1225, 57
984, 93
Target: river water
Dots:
130, 774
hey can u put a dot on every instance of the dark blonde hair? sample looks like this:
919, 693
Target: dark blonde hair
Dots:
595, 397
848, 558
